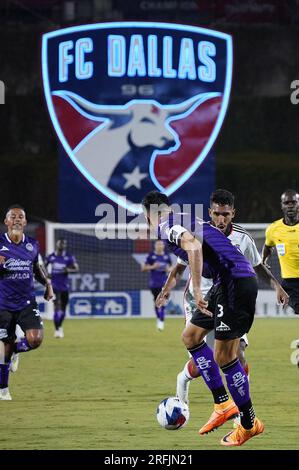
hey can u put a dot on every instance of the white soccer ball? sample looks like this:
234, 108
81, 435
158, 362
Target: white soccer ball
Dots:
172, 413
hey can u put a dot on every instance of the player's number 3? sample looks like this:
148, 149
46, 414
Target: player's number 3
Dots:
220, 307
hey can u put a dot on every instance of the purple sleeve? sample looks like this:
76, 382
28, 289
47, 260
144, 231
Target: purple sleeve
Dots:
149, 259
72, 260
37, 252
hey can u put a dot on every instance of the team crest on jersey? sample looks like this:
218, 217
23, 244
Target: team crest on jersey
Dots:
137, 106
29, 247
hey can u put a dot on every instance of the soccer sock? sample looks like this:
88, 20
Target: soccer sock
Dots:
22, 346
161, 312
189, 370
58, 318
238, 386
209, 370
4, 374
157, 313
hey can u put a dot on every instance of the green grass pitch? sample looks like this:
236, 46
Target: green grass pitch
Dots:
99, 387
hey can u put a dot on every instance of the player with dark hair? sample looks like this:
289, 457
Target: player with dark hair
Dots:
208, 251
19, 262
283, 234
158, 264
62, 264
221, 212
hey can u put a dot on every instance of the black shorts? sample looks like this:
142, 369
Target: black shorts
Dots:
233, 305
291, 286
61, 298
156, 291
194, 315
28, 319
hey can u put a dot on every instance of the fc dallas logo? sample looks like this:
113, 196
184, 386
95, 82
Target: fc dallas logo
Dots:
137, 106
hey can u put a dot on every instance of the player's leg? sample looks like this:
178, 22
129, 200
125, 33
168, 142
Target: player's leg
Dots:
190, 370
7, 338
59, 314
202, 354
187, 374
31, 323
241, 354
234, 317
160, 311
15, 358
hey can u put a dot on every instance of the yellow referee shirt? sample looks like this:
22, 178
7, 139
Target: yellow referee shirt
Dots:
286, 240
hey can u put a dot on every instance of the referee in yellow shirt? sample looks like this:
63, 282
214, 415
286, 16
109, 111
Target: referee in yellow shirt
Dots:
284, 235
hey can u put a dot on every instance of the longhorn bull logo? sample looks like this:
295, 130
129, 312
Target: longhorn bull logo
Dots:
129, 148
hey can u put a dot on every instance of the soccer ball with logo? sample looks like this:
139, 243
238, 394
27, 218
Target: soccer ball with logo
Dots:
172, 413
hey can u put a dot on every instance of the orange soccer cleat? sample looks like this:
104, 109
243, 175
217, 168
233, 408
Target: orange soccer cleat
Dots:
222, 413
241, 435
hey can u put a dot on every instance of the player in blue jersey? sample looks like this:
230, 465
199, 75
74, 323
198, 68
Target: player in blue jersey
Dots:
210, 253
62, 264
158, 263
19, 263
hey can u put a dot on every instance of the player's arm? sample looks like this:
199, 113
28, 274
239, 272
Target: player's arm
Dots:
72, 268
148, 265
173, 278
193, 248
265, 274
41, 275
268, 246
267, 252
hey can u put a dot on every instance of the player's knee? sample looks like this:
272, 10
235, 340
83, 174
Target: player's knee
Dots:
187, 338
192, 369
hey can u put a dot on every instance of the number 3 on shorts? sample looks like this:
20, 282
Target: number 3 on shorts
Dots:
220, 307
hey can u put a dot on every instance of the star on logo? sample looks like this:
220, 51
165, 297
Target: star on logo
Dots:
134, 178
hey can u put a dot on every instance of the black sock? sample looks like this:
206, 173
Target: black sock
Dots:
220, 395
247, 415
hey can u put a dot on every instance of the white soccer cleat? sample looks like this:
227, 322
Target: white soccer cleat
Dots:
182, 387
14, 362
4, 394
160, 325
59, 333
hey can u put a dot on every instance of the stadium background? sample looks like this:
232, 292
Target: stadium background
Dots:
256, 152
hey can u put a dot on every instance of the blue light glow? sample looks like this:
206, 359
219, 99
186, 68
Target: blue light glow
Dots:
136, 61
116, 55
64, 60
83, 68
207, 71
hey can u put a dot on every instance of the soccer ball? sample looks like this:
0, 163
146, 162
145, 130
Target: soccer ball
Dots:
172, 413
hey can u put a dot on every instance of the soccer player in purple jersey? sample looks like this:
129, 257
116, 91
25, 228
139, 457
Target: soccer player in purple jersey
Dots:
19, 262
62, 264
222, 212
208, 251
158, 263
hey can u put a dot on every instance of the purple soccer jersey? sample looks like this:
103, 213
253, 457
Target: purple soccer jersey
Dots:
158, 276
16, 273
59, 276
222, 260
